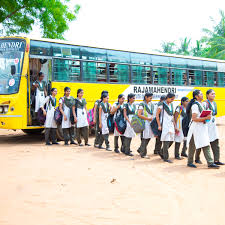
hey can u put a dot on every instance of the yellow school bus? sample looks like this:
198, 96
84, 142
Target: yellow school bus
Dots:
95, 69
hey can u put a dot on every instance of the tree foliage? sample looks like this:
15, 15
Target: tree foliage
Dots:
53, 16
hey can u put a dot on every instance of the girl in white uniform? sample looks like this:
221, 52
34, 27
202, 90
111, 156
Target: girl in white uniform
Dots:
210, 104
129, 111
198, 136
50, 124
179, 114
66, 104
104, 110
117, 110
39, 87
145, 112
81, 113
167, 127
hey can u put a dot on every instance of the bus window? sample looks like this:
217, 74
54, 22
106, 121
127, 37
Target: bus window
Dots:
195, 77
220, 79
101, 72
118, 56
89, 72
138, 58
209, 79
93, 54
158, 60
161, 76
66, 70
139, 75
179, 77
118, 73
40, 48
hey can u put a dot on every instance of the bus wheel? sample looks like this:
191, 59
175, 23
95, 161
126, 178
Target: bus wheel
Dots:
59, 133
32, 131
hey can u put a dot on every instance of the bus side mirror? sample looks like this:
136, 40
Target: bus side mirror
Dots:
13, 69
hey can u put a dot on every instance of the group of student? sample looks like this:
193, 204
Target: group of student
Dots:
201, 135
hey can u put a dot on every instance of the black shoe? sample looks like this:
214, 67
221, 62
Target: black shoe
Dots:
96, 146
161, 155
48, 143
145, 157
219, 163
80, 145
178, 158
213, 166
191, 165
66, 143
87, 144
73, 143
55, 143
184, 154
116, 150
198, 161
138, 151
156, 153
167, 160
108, 149
129, 154
100, 147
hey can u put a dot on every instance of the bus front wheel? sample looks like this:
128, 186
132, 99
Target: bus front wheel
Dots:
32, 131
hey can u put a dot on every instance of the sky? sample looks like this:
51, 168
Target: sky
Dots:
139, 25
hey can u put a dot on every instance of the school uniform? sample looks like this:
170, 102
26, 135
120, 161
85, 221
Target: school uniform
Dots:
50, 124
67, 127
168, 131
179, 137
116, 133
104, 133
129, 132
147, 134
213, 132
158, 143
39, 94
198, 136
82, 122
97, 129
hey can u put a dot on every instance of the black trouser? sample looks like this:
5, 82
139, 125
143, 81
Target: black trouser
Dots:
143, 148
50, 133
116, 143
84, 132
127, 142
177, 148
104, 138
165, 149
97, 135
69, 134
158, 146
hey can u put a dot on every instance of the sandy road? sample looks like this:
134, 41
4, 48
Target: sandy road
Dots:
60, 185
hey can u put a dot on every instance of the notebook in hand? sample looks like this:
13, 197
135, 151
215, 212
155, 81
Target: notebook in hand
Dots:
205, 113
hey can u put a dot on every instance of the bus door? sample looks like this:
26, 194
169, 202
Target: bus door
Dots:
37, 64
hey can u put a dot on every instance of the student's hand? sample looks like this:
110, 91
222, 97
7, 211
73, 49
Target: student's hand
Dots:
65, 118
75, 119
177, 131
100, 125
36, 85
94, 121
44, 113
208, 117
150, 119
159, 128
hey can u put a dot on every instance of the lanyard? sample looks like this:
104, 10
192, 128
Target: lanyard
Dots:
132, 108
171, 110
214, 111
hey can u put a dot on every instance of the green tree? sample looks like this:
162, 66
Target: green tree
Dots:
53, 16
184, 47
168, 47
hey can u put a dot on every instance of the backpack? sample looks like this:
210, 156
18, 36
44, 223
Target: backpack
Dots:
120, 123
110, 122
40, 117
90, 117
137, 124
154, 125
58, 116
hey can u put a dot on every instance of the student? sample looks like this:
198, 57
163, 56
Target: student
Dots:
81, 114
145, 112
210, 104
50, 124
166, 125
104, 110
158, 143
129, 111
198, 137
117, 110
96, 120
66, 104
179, 114
40, 90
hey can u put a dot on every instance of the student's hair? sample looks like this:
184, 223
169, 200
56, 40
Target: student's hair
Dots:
131, 95
79, 91
208, 92
184, 99
195, 93
104, 95
120, 96
170, 95
104, 92
163, 98
40, 74
147, 94
53, 89
66, 89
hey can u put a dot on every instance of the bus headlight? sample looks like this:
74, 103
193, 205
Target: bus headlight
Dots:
1, 109
6, 109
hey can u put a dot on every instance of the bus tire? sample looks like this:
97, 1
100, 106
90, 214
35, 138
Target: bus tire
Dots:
59, 133
33, 131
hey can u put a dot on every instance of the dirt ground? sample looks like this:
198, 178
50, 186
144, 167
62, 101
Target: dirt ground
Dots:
60, 185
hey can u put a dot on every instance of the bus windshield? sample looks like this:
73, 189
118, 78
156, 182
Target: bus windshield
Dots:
11, 62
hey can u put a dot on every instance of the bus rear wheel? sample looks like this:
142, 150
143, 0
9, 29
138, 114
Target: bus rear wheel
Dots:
33, 131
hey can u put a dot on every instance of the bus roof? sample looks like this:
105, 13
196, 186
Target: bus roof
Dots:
149, 53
